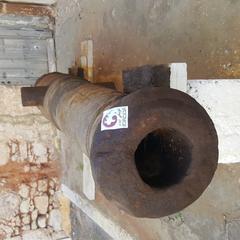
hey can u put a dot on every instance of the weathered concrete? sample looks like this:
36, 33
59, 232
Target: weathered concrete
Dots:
84, 228
215, 215
204, 34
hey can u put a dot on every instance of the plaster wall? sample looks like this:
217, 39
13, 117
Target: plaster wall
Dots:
204, 34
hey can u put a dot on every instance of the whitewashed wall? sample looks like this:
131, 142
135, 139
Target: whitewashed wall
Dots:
221, 99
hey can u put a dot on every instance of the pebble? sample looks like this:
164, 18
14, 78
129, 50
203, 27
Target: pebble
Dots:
34, 225
42, 221
24, 191
24, 206
43, 185
26, 219
17, 221
41, 203
26, 227
34, 214
55, 220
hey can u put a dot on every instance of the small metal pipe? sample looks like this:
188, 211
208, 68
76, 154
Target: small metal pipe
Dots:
159, 164
33, 96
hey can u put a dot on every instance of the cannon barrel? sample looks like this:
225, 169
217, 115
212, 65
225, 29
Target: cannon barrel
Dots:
158, 163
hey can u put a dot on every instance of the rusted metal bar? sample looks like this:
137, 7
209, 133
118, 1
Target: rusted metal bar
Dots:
33, 96
153, 152
146, 76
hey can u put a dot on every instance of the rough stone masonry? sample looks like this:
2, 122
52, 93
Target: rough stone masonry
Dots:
29, 184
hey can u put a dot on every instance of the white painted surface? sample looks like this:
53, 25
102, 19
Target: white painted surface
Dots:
86, 59
109, 226
221, 99
51, 55
178, 76
88, 181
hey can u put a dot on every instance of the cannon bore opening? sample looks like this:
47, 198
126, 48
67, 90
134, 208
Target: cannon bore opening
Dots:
163, 158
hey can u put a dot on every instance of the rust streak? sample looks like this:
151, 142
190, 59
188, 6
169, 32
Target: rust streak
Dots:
15, 173
26, 9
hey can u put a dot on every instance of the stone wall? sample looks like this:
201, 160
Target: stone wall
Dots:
29, 172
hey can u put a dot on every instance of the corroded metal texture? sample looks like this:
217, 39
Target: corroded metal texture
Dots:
33, 96
157, 166
146, 76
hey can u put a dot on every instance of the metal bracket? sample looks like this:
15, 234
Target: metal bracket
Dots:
172, 75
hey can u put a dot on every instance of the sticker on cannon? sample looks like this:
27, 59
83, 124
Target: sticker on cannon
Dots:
115, 118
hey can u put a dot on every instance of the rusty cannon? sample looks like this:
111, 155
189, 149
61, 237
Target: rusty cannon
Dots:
153, 152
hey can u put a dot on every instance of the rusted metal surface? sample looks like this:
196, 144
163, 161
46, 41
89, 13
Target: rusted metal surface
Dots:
110, 85
33, 96
146, 76
79, 72
157, 166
